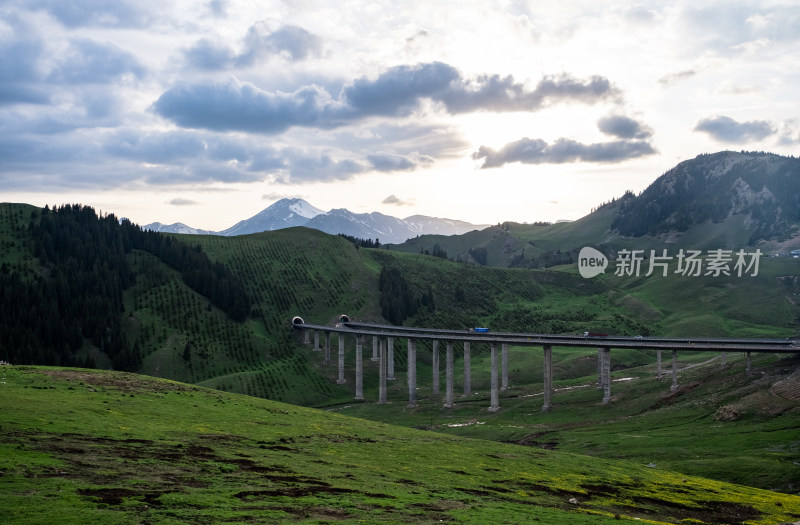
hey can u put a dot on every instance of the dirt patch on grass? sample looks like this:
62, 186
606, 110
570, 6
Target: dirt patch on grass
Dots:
115, 496
710, 512
121, 381
532, 440
319, 513
788, 388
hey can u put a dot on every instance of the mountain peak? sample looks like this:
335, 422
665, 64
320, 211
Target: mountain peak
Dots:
284, 213
761, 187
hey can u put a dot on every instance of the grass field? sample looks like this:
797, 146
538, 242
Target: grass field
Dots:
720, 423
107, 447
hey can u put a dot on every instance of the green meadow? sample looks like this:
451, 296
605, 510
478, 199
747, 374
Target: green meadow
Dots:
84, 446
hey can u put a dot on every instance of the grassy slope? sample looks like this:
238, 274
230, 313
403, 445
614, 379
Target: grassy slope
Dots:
287, 273
720, 423
91, 446
510, 240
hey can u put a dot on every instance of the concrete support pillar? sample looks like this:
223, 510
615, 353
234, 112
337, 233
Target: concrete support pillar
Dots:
724, 358
375, 348
412, 373
390, 359
341, 379
435, 367
316, 341
327, 348
747, 369
382, 373
495, 395
600, 368
467, 372
504, 368
606, 375
548, 377
658, 364
448, 397
674, 371
306, 336
359, 368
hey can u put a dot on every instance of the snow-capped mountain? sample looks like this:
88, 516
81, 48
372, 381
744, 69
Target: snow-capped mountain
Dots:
296, 212
388, 229
283, 214
177, 227
424, 225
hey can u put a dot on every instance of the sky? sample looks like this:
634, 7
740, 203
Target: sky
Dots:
206, 112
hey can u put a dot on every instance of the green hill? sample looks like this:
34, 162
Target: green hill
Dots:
83, 446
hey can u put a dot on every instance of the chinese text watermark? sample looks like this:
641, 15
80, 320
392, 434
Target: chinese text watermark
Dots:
687, 263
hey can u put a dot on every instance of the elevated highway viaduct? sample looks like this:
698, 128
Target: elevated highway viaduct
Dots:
384, 336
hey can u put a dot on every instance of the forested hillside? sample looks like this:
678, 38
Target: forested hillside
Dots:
710, 188
76, 291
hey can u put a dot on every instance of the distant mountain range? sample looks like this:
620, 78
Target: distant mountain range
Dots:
296, 212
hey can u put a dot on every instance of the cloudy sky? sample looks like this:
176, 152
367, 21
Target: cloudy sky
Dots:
208, 111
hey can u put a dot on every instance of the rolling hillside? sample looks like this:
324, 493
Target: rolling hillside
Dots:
96, 446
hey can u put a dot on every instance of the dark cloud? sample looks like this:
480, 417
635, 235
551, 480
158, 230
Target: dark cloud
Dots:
495, 93
156, 148
218, 8
395, 93
290, 42
726, 129
20, 53
391, 162
15, 93
624, 127
89, 61
211, 55
398, 91
243, 107
537, 151
103, 13
311, 166
79, 73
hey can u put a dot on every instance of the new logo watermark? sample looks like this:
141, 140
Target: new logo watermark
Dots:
688, 263
591, 262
